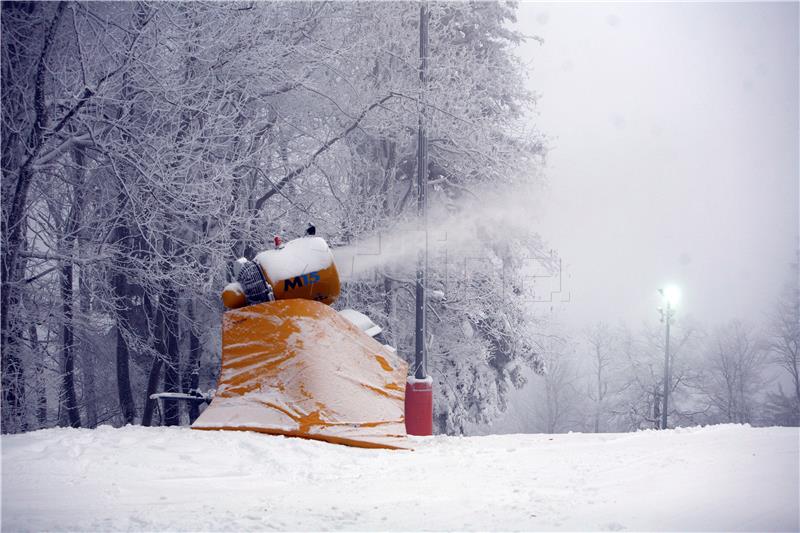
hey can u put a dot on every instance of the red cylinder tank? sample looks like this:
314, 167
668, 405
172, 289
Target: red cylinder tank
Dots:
419, 406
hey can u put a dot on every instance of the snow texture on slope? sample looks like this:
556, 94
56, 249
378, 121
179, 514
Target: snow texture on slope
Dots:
135, 478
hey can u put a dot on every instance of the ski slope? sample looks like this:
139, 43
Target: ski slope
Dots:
153, 479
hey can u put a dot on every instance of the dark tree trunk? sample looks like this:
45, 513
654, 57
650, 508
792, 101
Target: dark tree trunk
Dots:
86, 357
152, 385
191, 375
172, 380
41, 382
155, 368
657, 406
77, 232
388, 308
13, 409
68, 376
12, 238
126, 404
67, 295
14, 416
120, 285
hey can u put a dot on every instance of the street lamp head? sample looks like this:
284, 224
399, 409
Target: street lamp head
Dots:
671, 294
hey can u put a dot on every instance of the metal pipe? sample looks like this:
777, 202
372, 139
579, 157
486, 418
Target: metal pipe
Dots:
420, 354
667, 377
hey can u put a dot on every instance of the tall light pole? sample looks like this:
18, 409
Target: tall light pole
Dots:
420, 359
419, 386
670, 295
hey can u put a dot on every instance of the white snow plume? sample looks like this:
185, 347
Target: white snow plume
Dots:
455, 231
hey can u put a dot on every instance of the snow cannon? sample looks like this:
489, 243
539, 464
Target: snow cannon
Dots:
301, 268
293, 366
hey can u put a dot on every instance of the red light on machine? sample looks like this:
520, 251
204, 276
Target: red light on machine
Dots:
419, 406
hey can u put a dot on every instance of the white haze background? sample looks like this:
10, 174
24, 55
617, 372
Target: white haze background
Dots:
674, 159
674, 135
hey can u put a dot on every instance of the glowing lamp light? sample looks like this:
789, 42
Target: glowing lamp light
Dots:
672, 295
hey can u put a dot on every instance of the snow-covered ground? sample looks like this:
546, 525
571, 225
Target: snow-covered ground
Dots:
134, 478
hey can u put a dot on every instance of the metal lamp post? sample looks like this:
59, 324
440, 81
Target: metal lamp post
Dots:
419, 387
670, 295
420, 359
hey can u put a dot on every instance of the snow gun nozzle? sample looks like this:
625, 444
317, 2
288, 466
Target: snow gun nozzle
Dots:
300, 268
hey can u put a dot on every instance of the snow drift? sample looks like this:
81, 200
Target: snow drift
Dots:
154, 479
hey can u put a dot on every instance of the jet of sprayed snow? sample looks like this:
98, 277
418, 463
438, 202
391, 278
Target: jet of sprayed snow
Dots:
455, 230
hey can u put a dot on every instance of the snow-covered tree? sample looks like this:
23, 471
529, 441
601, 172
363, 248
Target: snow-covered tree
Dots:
735, 360
783, 343
145, 145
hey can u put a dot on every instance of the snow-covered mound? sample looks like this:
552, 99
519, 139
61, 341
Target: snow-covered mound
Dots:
716, 478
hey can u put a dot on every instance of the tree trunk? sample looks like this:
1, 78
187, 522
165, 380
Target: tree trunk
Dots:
67, 294
599, 405
13, 379
68, 376
120, 286
657, 406
14, 416
166, 348
41, 381
388, 309
172, 380
191, 374
87, 358
155, 368
12, 239
152, 385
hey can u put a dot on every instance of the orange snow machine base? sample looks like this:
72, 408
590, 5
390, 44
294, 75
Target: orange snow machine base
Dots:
297, 368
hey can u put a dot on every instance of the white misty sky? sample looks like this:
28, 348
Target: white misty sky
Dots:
674, 157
